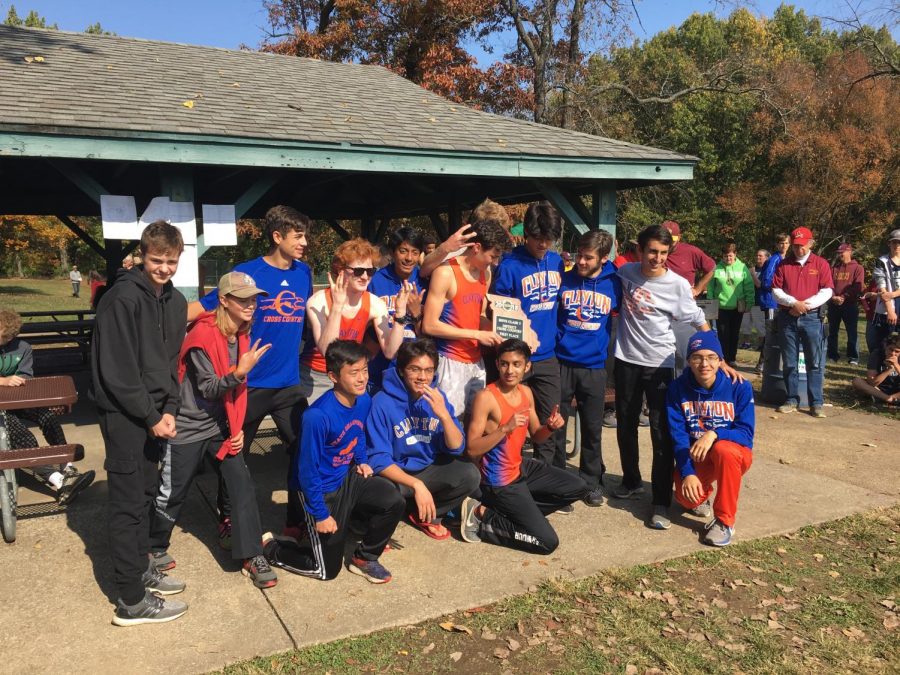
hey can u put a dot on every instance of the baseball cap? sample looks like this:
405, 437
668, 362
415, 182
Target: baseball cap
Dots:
705, 339
802, 235
894, 236
239, 285
672, 227
845, 247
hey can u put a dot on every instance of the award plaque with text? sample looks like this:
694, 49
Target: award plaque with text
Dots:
510, 322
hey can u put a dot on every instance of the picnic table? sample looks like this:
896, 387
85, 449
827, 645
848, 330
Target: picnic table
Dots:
39, 392
60, 329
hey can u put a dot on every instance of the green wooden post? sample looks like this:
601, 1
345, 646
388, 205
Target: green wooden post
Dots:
563, 205
604, 212
178, 185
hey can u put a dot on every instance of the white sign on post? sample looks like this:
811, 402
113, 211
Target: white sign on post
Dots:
219, 225
188, 275
119, 217
157, 209
181, 215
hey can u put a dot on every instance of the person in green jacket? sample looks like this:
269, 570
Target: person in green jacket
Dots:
732, 286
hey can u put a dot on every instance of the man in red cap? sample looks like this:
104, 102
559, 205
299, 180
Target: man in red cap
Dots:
688, 261
849, 285
802, 285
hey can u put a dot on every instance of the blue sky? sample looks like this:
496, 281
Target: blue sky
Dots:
231, 23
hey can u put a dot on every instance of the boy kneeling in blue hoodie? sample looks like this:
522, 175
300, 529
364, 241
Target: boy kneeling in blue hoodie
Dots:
711, 420
415, 440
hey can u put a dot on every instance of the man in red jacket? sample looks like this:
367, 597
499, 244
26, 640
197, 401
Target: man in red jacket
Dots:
849, 285
802, 285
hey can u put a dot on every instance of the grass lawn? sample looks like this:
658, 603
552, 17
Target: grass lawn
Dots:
42, 295
824, 599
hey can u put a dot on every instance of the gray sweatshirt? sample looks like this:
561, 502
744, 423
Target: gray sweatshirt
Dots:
650, 307
201, 415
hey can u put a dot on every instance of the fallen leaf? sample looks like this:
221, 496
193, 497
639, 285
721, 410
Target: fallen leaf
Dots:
890, 604
188, 104
755, 569
39, 59
721, 604
513, 645
819, 557
774, 625
784, 589
784, 461
696, 637
556, 649
891, 621
780, 551
235, 84
451, 627
486, 634
427, 649
29, 59
853, 633
869, 445
403, 652
631, 669
501, 653
759, 582
455, 656
834, 574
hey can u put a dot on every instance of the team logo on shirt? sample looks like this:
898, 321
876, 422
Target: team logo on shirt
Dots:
421, 427
345, 455
639, 300
287, 306
541, 289
585, 305
703, 416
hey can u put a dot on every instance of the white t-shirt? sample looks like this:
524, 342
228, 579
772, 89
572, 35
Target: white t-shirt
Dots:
317, 303
649, 309
74, 275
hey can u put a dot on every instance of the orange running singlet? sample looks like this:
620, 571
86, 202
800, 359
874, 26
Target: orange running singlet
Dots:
352, 328
501, 465
463, 311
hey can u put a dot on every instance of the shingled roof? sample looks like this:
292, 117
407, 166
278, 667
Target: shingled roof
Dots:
102, 85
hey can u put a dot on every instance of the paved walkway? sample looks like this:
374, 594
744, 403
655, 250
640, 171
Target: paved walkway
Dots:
57, 587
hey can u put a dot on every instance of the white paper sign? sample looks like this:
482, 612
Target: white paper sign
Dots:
119, 217
187, 275
181, 215
158, 209
219, 226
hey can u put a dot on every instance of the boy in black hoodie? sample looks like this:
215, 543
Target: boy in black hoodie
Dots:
138, 333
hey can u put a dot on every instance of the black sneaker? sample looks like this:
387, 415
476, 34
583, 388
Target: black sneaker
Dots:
594, 497
152, 609
565, 510
157, 582
73, 483
259, 571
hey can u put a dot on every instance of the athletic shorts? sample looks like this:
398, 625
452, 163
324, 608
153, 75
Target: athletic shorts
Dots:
460, 382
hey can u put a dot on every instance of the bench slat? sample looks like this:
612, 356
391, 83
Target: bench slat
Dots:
23, 458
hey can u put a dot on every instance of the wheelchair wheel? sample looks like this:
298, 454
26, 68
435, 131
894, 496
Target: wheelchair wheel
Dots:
8, 490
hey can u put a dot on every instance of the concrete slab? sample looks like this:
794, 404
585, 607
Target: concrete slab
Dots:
57, 578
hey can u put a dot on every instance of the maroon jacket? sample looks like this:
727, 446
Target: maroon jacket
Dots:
803, 282
849, 281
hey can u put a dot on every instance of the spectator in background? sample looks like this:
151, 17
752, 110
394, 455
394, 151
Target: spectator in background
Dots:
75, 278
766, 300
16, 366
98, 285
693, 265
802, 286
887, 304
627, 254
882, 380
849, 285
732, 286
757, 312
532, 274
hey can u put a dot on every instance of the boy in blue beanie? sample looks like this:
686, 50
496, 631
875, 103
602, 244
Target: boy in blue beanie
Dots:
712, 421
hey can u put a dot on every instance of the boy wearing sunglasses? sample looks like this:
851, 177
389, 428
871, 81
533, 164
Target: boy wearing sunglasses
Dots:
345, 310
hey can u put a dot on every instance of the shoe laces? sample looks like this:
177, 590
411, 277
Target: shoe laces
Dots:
259, 565
155, 573
711, 524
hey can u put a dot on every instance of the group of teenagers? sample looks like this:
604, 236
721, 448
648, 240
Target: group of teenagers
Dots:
396, 400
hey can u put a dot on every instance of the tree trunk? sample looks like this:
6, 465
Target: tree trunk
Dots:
572, 63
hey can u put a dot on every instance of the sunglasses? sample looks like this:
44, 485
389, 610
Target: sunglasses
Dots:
360, 271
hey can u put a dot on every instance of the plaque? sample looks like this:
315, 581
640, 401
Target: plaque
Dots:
510, 322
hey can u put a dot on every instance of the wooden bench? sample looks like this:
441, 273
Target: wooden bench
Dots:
52, 331
24, 458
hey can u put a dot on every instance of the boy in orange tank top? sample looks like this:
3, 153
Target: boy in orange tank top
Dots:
455, 313
345, 310
517, 493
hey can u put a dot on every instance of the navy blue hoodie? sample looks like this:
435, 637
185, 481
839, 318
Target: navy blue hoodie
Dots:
584, 308
405, 432
727, 409
536, 283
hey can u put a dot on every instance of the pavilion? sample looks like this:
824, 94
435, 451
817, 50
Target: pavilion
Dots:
86, 115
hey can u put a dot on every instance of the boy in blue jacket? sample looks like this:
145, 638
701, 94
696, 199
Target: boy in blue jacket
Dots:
532, 273
589, 293
334, 480
712, 420
416, 441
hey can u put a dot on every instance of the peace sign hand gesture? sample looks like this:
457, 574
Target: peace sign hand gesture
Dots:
250, 358
338, 289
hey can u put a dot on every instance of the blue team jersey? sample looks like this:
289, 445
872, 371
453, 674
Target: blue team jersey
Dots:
333, 438
278, 320
386, 285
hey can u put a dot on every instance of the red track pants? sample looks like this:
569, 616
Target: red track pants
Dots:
725, 464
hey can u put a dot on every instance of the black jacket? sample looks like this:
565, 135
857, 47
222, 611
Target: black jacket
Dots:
135, 346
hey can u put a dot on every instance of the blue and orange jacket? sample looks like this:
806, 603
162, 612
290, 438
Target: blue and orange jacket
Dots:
727, 408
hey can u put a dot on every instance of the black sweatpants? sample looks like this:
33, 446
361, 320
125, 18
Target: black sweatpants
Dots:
132, 467
449, 480
515, 514
286, 407
20, 436
728, 326
181, 466
375, 501
544, 383
588, 387
633, 381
